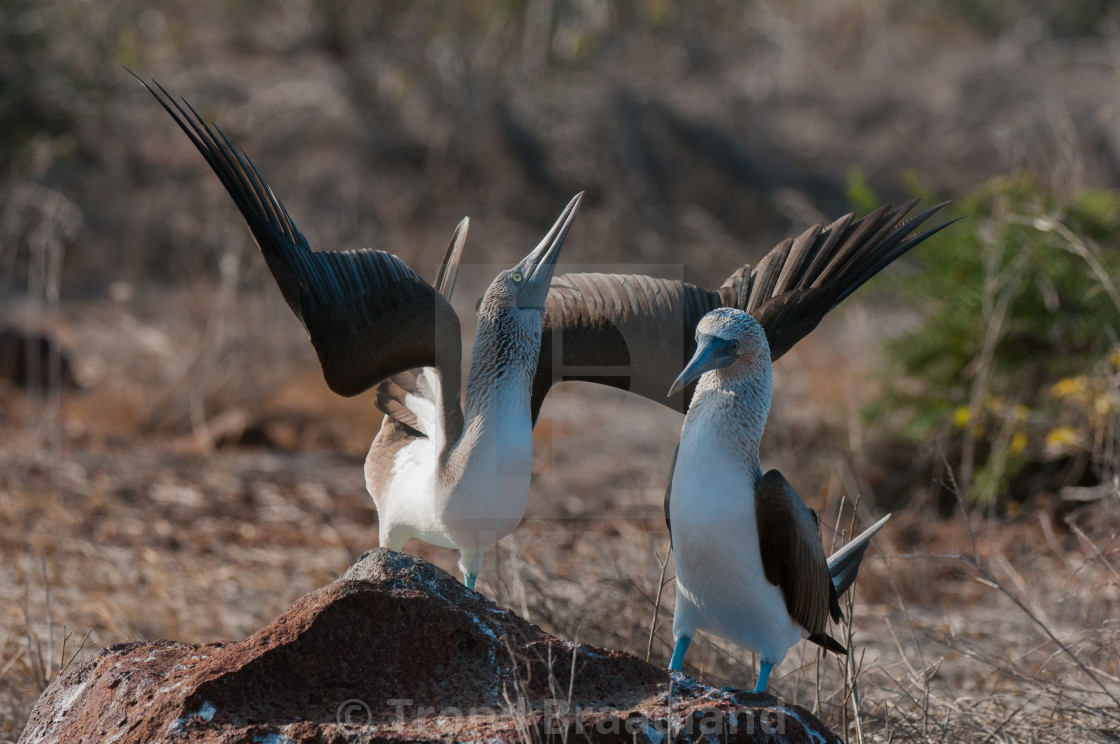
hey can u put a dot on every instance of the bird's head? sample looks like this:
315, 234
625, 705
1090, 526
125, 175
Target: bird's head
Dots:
522, 289
726, 338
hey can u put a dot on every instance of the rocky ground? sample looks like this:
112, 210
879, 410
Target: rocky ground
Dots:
396, 649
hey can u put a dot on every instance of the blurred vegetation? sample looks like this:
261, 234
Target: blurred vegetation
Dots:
1015, 366
1062, 18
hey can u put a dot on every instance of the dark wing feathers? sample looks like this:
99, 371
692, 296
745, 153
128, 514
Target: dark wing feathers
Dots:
796, 260
735, 283
669, 491
768, 271
368, 314
368, 319
825, 265
639, 331
628, 331
793, 559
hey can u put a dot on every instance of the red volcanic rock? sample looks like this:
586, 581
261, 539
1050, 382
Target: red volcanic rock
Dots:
396, 649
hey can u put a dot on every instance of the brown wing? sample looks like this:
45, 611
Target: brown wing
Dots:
792, 556
636, 332
627, 331
369, 316
801, 280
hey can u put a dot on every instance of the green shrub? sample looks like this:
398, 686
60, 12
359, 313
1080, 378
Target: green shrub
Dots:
1015, 361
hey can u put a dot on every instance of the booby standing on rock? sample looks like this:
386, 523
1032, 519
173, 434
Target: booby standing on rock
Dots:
460, 479
747, 549
463, 483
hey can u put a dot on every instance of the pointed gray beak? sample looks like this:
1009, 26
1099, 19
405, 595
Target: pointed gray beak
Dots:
449, 269
539, 265
712, 352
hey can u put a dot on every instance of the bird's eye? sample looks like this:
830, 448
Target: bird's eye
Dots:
516, 277
734, 347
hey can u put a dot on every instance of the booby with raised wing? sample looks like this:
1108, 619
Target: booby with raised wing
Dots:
460, 478
371, 320
747, 550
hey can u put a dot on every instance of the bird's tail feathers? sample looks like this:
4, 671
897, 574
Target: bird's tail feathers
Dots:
843, 565
828, 643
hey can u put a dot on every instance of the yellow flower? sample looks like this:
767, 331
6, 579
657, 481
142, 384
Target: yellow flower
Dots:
1114, 358
1018, 444
1070, 386
961, 417
1062, 439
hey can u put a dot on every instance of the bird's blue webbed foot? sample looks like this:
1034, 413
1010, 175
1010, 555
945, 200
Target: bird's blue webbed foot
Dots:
469, 580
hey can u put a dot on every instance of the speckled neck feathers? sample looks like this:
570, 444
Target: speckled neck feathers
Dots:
504, 358
735, 401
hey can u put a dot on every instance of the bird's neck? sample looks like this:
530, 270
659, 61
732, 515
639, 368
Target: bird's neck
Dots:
498, 429
735, 401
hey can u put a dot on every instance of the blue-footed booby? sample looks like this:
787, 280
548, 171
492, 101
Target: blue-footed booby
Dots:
454, 476
374, 322
747, 550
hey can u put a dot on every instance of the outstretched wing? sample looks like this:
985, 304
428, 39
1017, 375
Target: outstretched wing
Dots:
636, 332
369, 316
789, 539
801, 280
628, 331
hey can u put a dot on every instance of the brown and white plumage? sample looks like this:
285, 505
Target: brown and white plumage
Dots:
747, 550
452, 476
793, 559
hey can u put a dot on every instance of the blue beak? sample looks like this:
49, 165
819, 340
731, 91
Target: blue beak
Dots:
712, 352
